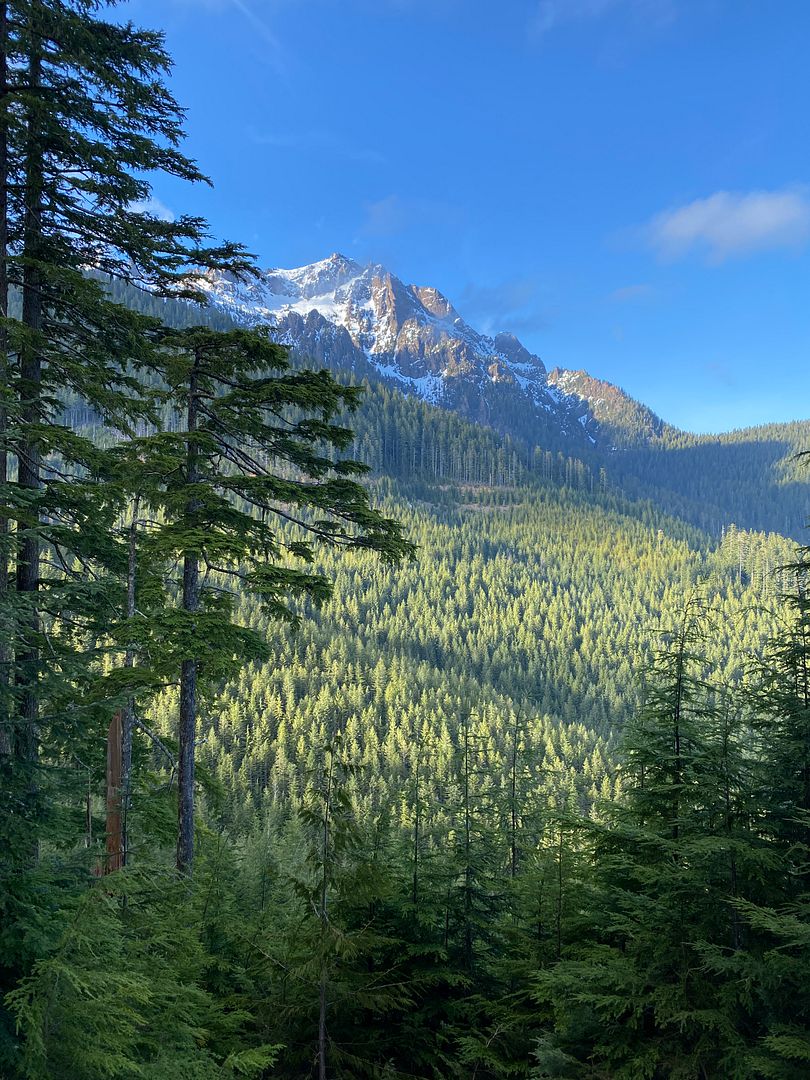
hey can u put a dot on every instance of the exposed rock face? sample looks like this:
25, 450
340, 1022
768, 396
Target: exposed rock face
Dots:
621, 420
366, 320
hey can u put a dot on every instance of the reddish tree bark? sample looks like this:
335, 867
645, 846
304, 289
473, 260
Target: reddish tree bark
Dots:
115, 837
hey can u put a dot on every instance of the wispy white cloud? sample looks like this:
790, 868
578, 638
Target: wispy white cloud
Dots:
386, 217
254, 12
259, 23
154, 207
628, 293
723, 372
515, 305
320, 140
730, 224
429, 8
394, 215
549, 14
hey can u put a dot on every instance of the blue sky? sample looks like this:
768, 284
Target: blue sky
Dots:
625, 184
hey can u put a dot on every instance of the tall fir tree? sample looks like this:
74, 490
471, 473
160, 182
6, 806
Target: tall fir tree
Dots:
246, 480
87, 122
634, 993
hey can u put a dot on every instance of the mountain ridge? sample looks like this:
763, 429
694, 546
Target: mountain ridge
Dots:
622, 419
365, 318
753, 478
411, 336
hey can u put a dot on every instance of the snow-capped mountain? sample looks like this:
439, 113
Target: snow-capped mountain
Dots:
365, 319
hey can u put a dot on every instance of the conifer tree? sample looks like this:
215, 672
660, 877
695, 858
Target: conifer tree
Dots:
5, 621
127, 990
775, 918
246, 481
634, 994
88, 121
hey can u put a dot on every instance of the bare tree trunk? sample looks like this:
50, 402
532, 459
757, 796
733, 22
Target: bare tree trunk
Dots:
513, 811
88, 812
129, 710
468, 869
188, 669
677, 718
322, 1031
417, 822
28, 451
558, 915
324, 918
115, 847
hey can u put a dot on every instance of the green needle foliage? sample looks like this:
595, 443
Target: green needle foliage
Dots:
671, 863
434, 831
776, 921
87, 124
253, 445
123, 992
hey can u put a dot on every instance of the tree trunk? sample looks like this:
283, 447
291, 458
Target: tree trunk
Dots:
115, 847
322, 1030
28, 451
5, 617
324, 919
468, 868
513, 811
677, 717
188, 670
558, 916
129, 710
416, 836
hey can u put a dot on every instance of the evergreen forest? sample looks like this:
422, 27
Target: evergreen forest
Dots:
342, 737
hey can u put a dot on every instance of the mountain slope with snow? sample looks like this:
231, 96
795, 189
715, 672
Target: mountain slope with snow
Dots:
755, 478
622, 421
365, 319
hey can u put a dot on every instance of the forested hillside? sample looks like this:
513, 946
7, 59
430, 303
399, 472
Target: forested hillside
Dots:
342, 736
752, 476
539, 603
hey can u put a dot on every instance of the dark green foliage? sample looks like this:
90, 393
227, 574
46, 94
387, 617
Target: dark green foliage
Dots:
440, 832
751, 477
123, 988
87, 122
691, 959
777, 921
84, 112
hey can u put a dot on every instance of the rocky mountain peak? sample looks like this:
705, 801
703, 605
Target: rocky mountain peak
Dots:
434, 302
623, 421
368, 319
319, 278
